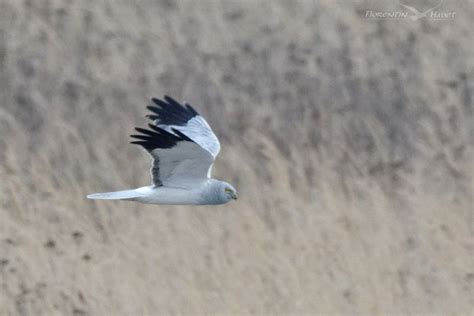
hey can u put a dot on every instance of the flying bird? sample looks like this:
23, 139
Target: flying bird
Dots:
183, 148
417, 14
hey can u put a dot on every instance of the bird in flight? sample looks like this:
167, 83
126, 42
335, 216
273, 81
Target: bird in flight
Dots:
183, 148
417, 14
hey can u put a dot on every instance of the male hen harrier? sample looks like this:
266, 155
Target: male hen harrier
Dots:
183, 148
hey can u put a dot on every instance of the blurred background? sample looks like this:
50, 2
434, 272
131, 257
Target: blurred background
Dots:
349, 139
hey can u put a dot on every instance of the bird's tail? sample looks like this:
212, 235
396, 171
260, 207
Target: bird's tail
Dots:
117, 195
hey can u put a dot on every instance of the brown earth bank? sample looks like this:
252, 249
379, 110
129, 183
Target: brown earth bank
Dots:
349, 139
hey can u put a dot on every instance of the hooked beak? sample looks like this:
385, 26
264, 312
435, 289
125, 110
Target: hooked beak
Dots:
234, 196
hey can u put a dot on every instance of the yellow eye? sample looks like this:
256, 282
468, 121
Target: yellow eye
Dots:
228, 190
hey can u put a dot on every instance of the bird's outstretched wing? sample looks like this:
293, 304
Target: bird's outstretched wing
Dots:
169, 114
181, 143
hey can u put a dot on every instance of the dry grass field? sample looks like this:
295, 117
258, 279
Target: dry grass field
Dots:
349, 140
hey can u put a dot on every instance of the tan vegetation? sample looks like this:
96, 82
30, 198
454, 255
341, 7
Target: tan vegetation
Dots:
349, 140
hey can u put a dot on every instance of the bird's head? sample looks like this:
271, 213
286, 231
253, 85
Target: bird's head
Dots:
228, 192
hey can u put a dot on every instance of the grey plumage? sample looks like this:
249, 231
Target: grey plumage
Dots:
183, 148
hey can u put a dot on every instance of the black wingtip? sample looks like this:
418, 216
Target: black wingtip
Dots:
156, 128
145, 131
156, 101
170, 100
183, 136
152, 117
142, 137
157, 137
190, 108
170, 112
153, 109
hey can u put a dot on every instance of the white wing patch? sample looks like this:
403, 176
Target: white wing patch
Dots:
199, 131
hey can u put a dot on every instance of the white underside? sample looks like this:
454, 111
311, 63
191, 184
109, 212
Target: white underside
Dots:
170, 196
162, 195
